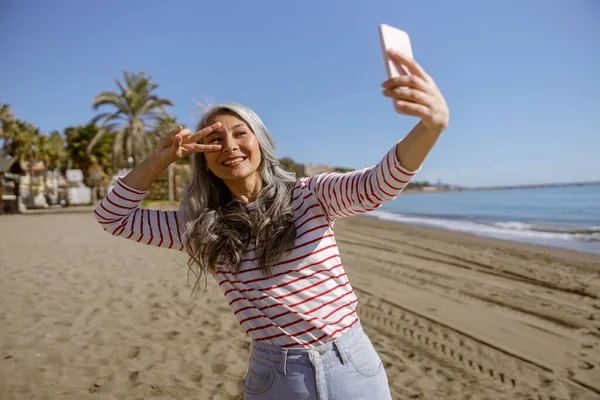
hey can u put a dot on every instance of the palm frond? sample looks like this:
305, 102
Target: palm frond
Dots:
94, 140
106, 98
137, 114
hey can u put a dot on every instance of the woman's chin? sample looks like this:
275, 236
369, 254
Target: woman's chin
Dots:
234, 174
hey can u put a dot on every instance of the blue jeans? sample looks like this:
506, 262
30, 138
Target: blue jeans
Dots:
346, 368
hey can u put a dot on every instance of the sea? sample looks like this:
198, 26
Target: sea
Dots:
567, 217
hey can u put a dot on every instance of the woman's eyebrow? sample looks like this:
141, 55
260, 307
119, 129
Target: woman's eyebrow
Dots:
232, 128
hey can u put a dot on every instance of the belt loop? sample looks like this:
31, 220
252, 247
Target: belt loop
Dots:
283, 361
342, 351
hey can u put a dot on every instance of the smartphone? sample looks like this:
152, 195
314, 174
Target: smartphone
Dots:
393, 38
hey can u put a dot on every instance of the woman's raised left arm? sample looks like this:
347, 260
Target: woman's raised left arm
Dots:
417, 95
342, 195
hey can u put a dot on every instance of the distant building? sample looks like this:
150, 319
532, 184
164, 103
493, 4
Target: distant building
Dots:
77, 192
10, 176
41, 187
32, 185
314, 169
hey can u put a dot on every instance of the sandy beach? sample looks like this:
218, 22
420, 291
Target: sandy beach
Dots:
85, 315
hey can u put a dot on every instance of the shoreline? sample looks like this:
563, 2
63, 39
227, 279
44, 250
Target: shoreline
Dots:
449, 235
512, 236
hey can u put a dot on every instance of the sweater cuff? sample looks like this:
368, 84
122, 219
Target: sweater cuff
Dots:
131, 193
398, 165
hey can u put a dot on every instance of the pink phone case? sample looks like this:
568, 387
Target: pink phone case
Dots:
393, 38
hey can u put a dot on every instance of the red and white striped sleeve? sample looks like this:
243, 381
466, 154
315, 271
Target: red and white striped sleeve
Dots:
342, 195
119, 214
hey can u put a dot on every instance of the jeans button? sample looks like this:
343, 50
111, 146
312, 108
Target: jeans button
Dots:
316, 353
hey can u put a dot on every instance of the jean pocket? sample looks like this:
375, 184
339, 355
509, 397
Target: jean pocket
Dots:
260, 376
364, 358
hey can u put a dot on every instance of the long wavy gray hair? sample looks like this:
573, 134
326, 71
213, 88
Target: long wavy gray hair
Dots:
218, 228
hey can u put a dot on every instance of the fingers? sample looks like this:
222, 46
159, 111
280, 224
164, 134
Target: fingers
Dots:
177, 140
203, 132
176, 145
408, 94
202, 148
167, 140
413, 67
406, 80
174, 131
182, 142
177, 133
414, 109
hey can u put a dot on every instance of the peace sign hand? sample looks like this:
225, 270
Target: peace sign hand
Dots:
417, 94
180, 142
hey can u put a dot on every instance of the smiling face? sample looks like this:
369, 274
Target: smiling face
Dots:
239, 160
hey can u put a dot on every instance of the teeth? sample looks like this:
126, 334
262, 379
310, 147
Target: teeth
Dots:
239, 159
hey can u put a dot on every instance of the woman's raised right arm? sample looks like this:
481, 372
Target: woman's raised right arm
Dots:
119, 212
120, 215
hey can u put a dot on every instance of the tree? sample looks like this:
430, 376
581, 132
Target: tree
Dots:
136, 115
22, 140
7, 120
342, 170
289, 165
95, 165
8, 127
53, 151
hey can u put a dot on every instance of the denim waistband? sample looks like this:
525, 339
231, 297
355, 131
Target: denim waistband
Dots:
306, 355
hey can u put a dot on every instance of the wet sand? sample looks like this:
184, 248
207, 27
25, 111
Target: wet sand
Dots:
85, 315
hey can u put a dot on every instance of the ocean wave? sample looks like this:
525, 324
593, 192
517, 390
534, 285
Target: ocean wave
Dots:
560, 236
575, 231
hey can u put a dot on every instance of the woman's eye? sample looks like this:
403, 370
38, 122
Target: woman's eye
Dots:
241, 133
213, 140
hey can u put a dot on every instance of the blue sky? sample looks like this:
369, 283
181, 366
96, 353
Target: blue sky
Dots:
520, 77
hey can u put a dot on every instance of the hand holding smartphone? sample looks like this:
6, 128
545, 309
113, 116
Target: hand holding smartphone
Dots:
393, 38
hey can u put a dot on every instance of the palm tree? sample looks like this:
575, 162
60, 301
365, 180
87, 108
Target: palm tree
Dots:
53, 150
7, 124
136, 115
19, 139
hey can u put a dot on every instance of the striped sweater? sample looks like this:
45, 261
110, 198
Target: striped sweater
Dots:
308, 301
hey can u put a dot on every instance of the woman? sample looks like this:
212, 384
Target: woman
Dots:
268, 239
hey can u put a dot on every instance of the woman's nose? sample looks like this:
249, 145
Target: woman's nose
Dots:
229, 145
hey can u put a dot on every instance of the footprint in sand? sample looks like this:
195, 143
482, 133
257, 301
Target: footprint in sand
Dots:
223, 309
584, 365
134, 352
94, 388
219, 368
157, 305
134, 378
245, 345
63, 339
172, 334
197, 376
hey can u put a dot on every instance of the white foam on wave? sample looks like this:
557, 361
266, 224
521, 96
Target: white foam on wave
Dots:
519, 226
515, 231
